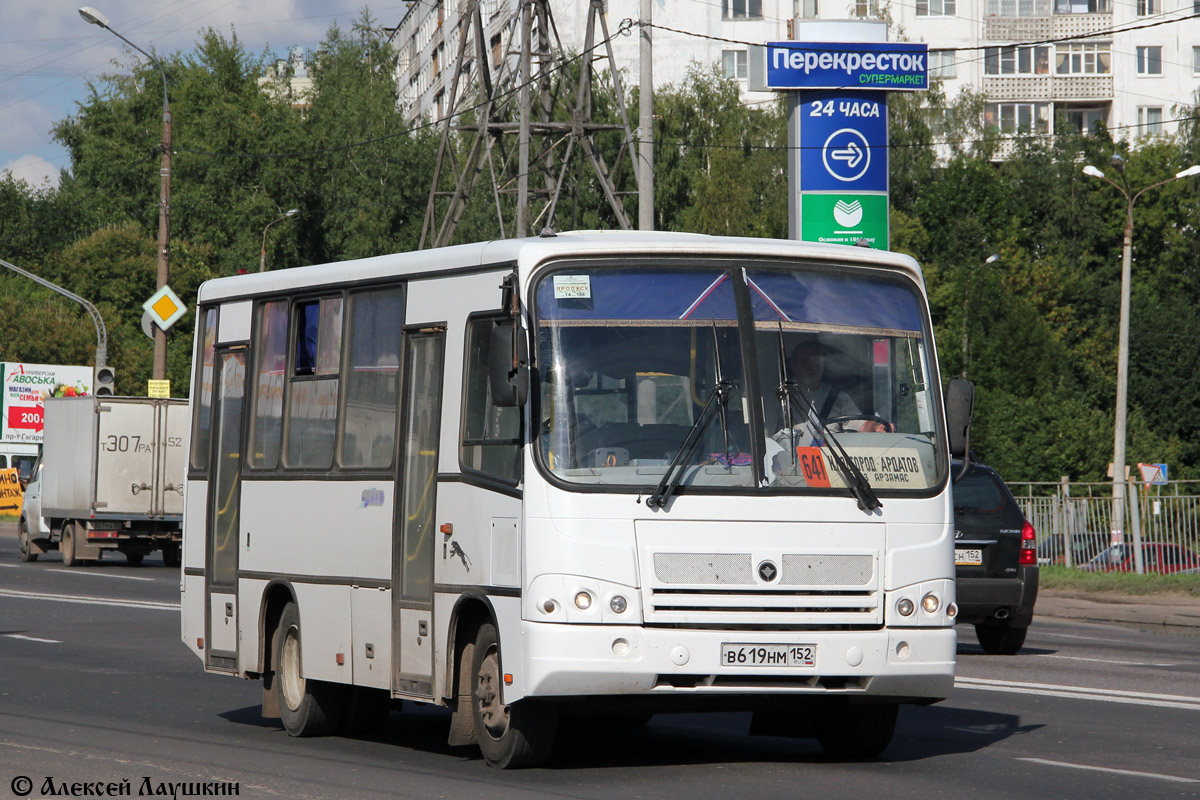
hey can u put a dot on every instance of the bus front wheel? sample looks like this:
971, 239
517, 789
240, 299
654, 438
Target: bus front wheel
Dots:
510, 736
307, 707
852, 730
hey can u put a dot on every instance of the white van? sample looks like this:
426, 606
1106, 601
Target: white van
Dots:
19, 457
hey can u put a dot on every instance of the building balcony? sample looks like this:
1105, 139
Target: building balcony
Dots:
1048, 87
1082, 87
998, 28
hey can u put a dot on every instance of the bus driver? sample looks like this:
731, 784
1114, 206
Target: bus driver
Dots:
807, 368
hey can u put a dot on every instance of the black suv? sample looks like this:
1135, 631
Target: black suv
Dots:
995, 558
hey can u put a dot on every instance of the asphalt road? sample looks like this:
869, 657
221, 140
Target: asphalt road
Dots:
95, 686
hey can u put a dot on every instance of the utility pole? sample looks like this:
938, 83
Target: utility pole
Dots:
503, 104
645, 170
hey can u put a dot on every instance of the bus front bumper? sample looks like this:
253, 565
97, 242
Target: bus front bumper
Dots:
571, 660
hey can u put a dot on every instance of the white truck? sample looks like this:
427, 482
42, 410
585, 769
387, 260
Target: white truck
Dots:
110, 477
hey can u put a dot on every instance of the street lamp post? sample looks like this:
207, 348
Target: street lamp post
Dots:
94, 17
88, 306
992, 259
1119, 482
262, 254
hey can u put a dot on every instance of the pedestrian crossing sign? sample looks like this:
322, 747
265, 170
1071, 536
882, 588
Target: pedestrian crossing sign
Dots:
164, 307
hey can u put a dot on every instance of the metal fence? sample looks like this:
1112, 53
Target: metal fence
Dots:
1074, 524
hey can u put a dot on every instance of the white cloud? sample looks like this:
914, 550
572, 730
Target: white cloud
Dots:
35, 171
48, 53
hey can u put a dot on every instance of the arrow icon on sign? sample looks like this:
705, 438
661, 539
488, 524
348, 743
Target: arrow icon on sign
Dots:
852, 154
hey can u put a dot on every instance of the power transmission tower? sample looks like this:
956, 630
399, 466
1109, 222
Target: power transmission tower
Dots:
551, 120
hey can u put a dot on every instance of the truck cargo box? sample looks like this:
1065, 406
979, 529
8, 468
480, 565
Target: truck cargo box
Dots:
114, 458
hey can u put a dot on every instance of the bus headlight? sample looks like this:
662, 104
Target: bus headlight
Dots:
618, 604
583, 601
905, 607
930, 603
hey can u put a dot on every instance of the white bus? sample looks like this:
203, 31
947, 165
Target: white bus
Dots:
580, 474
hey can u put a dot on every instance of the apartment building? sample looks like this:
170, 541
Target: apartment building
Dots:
1133, 65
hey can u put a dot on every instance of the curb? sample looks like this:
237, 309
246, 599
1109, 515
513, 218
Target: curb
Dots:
1169, 612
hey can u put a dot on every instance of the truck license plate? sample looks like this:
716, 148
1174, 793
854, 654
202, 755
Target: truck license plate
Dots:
973, 557
768, 655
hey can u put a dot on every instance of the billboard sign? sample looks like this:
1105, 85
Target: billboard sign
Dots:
843, 142
845, 219
882, 66
25, 387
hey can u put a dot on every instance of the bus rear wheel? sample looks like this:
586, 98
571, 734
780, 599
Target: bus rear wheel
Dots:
510, 736
307, 707
851, 730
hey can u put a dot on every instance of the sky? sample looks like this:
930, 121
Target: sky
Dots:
48, 54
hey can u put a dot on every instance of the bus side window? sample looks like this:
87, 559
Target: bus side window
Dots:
372, 390
270, 370
202, 392
313, 391
491, 436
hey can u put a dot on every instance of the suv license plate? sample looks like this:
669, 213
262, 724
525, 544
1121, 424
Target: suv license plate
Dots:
768, 655
968, 557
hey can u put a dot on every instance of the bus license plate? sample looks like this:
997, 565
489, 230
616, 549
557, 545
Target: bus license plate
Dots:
973, 557
769, 655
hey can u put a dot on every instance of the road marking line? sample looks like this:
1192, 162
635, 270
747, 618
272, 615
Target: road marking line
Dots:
11, 566
1107, 661
32, 638
1130, 772
1084, 638
93, 601
1083, 693
99, 574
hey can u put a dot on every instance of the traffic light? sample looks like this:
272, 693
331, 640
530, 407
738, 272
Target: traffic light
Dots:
105, 382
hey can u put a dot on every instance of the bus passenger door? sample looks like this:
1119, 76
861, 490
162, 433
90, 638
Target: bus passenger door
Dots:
224, 496
413, 533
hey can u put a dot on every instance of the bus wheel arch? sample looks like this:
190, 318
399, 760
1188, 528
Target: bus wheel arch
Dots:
510, 735
275, 597
307, 707
472, 611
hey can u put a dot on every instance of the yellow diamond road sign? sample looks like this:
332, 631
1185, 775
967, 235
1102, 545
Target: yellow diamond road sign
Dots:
164, 307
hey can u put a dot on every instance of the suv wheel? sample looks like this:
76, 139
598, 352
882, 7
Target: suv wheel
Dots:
1000, 638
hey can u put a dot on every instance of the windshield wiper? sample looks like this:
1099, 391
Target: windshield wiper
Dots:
857, 483
783, 392
715, 405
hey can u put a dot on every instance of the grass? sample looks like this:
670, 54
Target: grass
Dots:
1057, 577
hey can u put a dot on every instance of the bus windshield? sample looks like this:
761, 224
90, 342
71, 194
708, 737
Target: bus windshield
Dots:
839, 366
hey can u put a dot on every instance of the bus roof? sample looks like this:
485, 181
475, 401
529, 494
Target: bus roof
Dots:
529, 252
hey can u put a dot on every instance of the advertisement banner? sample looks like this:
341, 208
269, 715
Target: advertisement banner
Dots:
11, 493
888, 66
25, 387
845, 219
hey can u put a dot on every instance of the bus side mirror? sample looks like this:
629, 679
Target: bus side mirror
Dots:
509, 383
960, 404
